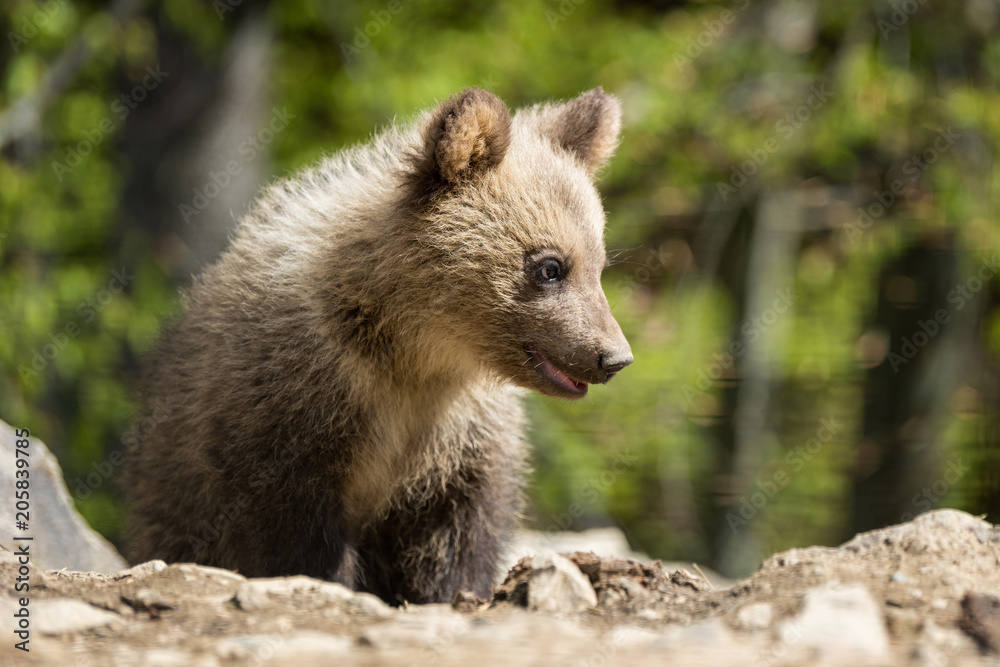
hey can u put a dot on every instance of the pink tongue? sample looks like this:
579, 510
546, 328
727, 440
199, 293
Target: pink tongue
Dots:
554, 373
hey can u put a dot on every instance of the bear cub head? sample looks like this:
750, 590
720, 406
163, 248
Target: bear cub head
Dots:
507, 208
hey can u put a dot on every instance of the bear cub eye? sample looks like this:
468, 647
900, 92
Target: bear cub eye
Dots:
550, 271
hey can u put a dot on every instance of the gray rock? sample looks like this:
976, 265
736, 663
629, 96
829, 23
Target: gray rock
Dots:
58, 617
142, 570
62, 539
216, 575
840, 619
557, 585
257, 594
931, 532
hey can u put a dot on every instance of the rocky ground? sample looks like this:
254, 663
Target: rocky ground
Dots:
922, 593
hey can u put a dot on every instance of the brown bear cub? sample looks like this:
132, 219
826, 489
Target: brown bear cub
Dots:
342, 389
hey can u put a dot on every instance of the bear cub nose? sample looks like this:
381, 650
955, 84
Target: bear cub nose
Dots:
613, 362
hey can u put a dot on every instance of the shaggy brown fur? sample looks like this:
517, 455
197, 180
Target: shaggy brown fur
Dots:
342, 386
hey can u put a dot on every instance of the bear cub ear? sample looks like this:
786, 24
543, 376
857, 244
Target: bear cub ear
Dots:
468, 135
588, 127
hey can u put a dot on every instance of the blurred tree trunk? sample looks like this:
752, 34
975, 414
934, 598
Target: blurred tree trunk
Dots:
907, 395
983, 396
195, 155
206, 109
743, 436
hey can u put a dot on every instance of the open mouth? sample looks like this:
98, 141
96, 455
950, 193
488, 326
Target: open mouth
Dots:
556, 376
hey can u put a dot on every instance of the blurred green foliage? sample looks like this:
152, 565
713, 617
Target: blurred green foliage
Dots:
705, 87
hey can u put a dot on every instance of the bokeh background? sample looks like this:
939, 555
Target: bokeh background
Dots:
802, 212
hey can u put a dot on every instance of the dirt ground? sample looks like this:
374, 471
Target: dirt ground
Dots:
922, 593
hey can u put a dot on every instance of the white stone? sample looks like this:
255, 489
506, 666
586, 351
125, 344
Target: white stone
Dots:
142, 570
755, 616
193, 572
556, 585
57, 617
843, 618
256, 594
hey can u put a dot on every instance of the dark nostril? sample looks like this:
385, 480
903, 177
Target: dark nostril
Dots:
614, 363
